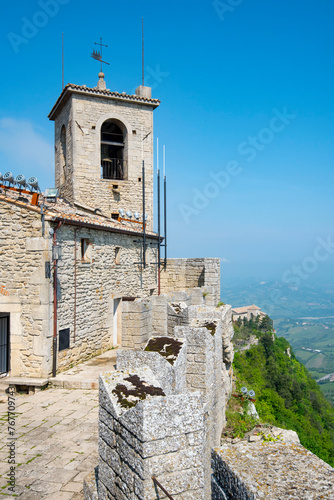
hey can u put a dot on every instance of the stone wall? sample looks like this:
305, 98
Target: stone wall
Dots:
270, 471
177, 315
136, 323
64, 166
199, 371
87, 291
160, 436
26, 292
159, 315
185, 274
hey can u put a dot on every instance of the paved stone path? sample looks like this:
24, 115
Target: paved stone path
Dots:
56, 444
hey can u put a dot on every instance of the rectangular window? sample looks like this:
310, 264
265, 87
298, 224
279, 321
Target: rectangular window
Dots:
4, 343
117, 255
86, 251
64, 339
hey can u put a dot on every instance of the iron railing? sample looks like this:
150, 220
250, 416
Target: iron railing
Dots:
113, 168
156, 482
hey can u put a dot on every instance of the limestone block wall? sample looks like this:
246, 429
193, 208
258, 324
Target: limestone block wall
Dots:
87, 291
26, 294
184, 274
200, 377
136, 323
64, 165
271, 471
177, 315
161, 436
192, 296
218, 321
159, 315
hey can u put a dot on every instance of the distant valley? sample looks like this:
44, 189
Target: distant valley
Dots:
304, 316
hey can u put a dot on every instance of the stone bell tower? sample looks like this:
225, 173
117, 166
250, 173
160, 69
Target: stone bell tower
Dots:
101, 138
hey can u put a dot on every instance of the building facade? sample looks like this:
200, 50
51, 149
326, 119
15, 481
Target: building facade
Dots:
68, 261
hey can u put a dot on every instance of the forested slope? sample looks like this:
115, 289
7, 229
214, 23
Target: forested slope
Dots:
286, 394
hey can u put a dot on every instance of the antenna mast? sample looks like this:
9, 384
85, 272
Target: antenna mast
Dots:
165, 203
159, 229
62, 61
143, 51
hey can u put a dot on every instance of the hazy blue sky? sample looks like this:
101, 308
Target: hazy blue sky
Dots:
246, 115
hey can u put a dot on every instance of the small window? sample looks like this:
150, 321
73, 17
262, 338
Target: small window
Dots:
86, 251
115, 216
64, 339
117, 255
63, 145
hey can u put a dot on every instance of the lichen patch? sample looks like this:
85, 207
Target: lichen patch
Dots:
167, 347
211, 326
133, 390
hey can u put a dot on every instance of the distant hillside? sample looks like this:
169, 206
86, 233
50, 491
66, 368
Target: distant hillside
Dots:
280, 300
313, 345
286, 394
303, 315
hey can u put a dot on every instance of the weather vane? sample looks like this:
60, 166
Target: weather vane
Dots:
98, 54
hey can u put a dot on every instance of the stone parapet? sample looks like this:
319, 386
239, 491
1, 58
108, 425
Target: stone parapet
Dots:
160, 435
269, 471
136, 323
186, 274
171, 373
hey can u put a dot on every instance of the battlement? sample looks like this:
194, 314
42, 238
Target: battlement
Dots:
162, 414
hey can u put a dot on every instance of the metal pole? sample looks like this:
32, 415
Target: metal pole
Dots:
158, 182
154, 479
165, 203
62, 60
144, 221
75, 285
54, 347
143, 48
101, 52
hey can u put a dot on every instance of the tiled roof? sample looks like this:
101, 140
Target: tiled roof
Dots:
61, 210
240, 310
245, 309
83, 89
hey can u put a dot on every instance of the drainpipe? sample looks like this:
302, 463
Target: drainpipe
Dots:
54, 352
75, 283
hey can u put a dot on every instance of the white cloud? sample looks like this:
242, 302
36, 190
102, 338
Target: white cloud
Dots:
223, 259
23, 150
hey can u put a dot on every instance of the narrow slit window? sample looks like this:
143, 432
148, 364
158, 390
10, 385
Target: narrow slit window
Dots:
85, 251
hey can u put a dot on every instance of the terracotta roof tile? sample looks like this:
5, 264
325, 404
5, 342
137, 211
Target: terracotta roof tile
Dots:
71, 87
245, 309
63, 210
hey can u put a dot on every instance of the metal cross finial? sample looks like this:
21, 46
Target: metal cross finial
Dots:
98, 54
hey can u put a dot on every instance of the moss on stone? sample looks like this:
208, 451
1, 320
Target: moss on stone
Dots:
129, 397
167, 347
177, 307
211, 327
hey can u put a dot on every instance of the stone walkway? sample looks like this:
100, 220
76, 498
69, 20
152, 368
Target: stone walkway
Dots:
86, 375
56, 446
